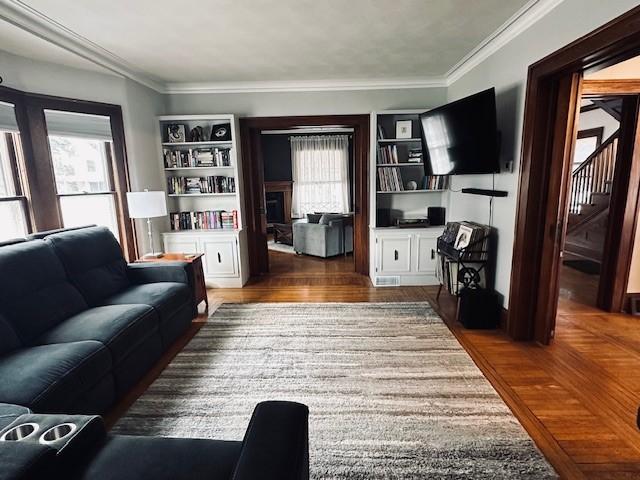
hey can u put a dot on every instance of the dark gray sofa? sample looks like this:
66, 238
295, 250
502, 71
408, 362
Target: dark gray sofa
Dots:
78, 325
275, 447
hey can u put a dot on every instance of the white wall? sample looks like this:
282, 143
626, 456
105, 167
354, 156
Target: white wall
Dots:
506, 70
598, 118
140, 106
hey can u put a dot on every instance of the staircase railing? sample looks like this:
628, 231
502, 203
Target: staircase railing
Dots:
594, 175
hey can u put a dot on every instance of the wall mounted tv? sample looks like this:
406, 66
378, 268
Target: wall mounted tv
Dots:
461, 138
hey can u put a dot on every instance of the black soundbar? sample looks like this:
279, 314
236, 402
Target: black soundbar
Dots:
487, 193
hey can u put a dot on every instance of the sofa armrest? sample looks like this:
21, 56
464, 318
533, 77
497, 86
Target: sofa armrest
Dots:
179, 272
26, 460
276, 444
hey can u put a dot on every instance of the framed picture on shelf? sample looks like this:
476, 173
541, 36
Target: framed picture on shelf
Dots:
176, 133
221, 133
403, 129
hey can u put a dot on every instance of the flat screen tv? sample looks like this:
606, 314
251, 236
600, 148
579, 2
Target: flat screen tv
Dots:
461, 138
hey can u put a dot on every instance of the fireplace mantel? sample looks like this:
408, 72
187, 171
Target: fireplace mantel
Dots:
286, 187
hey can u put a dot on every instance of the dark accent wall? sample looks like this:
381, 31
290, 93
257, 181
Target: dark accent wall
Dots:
276, 152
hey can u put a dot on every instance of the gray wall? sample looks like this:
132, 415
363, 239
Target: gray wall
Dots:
305, 103
506, 70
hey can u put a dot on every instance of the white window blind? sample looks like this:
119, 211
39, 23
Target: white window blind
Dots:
8, 121
71, 124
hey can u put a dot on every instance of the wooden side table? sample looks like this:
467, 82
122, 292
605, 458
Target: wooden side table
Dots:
283, 233
195, 259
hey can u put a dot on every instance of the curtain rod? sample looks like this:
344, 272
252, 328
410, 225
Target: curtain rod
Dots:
303, 131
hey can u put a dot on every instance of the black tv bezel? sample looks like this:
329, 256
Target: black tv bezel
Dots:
425, 160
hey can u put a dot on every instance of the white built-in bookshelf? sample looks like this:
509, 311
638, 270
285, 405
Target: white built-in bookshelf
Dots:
203, 182
398, 189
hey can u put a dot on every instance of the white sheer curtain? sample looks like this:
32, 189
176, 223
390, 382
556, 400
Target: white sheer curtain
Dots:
320, 167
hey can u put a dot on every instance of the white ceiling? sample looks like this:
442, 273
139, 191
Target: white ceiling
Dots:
242, 41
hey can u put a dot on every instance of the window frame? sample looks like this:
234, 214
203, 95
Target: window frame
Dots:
18, 195
38, 180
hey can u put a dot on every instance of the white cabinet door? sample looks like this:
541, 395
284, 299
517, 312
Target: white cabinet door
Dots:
395, 254
426, 251
220, 257
181, 244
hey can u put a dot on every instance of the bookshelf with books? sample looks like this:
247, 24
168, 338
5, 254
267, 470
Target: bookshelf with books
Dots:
399, 189
203, 180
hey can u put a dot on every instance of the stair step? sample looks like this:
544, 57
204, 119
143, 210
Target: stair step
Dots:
600, 198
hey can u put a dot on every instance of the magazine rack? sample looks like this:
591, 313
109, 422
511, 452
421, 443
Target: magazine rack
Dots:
471, 261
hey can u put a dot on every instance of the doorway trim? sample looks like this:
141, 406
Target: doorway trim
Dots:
554, 87
254, 194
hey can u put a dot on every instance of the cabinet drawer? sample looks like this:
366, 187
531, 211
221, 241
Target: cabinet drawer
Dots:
181, 244
220, 257
426, 251
395, 255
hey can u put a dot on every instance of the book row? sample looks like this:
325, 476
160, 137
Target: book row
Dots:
201, 157
205, 220
195, 185
390, 180
388, 155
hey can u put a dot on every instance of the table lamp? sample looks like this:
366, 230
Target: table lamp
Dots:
147, 205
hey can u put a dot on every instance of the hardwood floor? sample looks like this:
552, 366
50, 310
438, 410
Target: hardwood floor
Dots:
577, 398
578, 287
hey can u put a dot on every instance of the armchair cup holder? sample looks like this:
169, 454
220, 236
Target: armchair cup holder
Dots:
58, 433
20, 432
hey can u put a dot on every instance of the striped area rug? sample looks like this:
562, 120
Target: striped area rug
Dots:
391, 392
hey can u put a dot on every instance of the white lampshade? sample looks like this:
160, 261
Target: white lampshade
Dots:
146, 204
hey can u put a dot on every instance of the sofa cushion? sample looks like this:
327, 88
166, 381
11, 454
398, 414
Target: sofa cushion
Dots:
126, 457
165, 297
35, 294
120, 327
48, 378
93, 261
8, 337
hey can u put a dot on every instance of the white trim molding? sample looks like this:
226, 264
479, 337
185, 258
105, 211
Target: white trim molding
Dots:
31, 20
306, 85
529, 14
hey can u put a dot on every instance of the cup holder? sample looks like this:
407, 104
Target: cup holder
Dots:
20, 432
57, 433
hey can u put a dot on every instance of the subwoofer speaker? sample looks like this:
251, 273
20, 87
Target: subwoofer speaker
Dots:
436, 215
479, 308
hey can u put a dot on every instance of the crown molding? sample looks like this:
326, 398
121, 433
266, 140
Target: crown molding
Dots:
529, 14
31, 20
305, 85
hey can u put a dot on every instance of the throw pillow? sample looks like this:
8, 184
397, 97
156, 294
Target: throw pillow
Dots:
314, 217
327, 218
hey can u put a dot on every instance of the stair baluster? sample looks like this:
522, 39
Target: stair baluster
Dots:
594, 175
